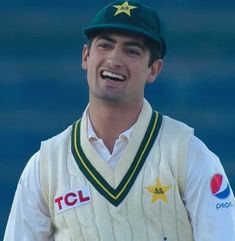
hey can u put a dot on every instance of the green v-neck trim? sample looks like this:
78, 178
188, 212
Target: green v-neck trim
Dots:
115, 196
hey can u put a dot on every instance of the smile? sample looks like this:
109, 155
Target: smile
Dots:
107, 75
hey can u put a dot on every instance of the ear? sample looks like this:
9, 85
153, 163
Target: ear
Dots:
155, 69
85, 54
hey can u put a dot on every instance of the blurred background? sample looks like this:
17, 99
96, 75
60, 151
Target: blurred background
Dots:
43, 88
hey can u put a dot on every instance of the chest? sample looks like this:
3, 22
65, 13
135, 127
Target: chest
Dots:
149, 206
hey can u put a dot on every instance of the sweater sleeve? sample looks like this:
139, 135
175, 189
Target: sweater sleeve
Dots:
208, 196
29, 217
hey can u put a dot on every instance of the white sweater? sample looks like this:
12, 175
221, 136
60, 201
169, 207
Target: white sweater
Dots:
138, 200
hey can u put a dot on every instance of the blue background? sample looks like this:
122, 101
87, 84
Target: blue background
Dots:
43, 89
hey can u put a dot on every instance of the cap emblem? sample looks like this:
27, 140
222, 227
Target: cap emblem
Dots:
124, 8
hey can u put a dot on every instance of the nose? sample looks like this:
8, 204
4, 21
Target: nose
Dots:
114, 59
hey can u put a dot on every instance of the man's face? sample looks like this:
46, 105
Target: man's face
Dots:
117, 67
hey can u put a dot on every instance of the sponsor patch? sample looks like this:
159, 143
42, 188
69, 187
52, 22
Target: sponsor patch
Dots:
71, 199
221, 190
220, 187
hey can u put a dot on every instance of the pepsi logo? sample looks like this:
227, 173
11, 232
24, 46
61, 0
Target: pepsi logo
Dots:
219, 186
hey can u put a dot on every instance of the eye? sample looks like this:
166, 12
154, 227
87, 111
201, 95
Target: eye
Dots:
133, 52
104, 45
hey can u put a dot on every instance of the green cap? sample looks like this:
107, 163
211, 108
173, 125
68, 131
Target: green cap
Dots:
131, 16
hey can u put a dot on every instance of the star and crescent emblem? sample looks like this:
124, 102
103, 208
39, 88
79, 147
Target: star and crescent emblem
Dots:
124, 8
158, 191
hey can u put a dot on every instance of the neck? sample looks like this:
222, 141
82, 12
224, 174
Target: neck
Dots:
110, 120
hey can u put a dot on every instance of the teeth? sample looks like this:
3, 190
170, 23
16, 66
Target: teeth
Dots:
113, 75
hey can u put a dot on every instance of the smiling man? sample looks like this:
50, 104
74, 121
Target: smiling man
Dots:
123, 171
118, 68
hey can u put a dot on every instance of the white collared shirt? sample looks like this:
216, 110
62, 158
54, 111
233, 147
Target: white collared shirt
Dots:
99, 146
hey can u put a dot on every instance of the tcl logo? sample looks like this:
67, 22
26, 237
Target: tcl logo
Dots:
71, 199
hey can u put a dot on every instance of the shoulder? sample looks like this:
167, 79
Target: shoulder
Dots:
30, 172
59, 139
55, 149
173, 124
203, 166
202, 160
175, 132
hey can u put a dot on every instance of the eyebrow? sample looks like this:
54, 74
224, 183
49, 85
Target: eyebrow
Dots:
130, 43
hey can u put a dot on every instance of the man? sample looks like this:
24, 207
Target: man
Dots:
123, 171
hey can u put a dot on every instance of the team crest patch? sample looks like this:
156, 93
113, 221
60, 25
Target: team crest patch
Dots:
158, 191
124, 8
71, 199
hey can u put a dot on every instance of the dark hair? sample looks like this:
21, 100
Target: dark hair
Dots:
153, 47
